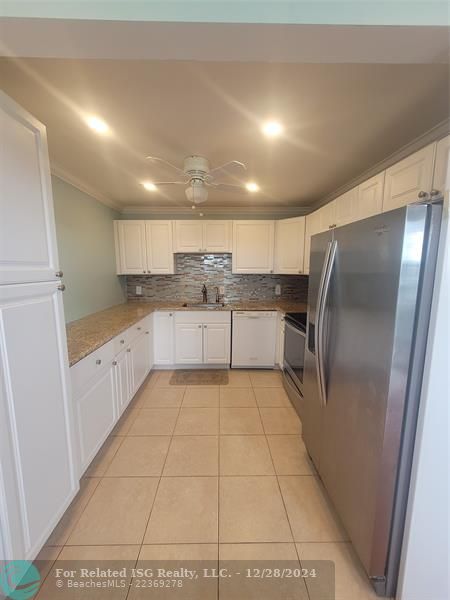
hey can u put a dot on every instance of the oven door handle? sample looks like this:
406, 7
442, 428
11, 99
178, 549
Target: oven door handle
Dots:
320, 329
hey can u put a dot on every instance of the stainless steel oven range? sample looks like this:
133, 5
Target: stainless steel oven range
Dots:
294, 358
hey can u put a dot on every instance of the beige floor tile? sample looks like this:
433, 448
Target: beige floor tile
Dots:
140, 457
272, 396
170, 397
60, 534
289, 455
45, 560
237, 397
117, 512
155, 421
351, 583
280, 420
251, 510
245, 455
185, 511
193, 455
266, 378
90, 557
179, 552
103, 458
162, 378
311, 517
198, 421
126, 421
238, 378
240, 421
268, 551
201, 396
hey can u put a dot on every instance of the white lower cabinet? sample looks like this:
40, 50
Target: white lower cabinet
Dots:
163, 342
139, 361
202, 338
122, 381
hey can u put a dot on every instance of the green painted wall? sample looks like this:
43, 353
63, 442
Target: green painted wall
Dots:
84, 229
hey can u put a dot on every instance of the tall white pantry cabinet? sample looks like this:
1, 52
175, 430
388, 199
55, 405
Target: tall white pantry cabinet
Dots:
37, 467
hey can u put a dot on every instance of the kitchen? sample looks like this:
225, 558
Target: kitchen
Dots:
222, 311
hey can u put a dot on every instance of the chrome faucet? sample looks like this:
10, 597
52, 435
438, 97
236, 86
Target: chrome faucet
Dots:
217, 295
205, 294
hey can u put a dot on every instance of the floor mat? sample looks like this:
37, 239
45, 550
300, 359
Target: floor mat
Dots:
199, 377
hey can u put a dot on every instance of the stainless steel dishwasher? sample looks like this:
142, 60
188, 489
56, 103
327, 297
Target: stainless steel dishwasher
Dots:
254, 338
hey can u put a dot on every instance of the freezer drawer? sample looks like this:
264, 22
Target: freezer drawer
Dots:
254, 339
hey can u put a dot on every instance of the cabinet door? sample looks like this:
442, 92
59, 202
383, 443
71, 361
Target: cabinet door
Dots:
123, 383
139, 360
327, 216
253, 246
441, 178
346, 207
217, 236
289, 245
28, 249
188, 343
189, 236
370, 197
159, 247
96, 415
36, 422
312, 226
163, 338
130, 246
408, 178
216, 343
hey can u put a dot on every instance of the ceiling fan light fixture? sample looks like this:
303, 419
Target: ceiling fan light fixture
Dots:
149, 186
196, 192
97, 124
252, 187
272, 128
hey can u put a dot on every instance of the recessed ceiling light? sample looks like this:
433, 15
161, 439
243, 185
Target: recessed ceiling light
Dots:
97, 124
149, 186
272, 128
252, 186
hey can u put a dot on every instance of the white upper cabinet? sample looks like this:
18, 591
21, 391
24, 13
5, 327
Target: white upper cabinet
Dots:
346, 208
253, 246
409, 180
289, 245
131, 254
202, 236
327, 216
144, 247
441, 178
26, 203
313, 226
370, 197
159, 245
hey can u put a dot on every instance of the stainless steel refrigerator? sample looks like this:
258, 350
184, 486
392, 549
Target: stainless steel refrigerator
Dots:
369, 302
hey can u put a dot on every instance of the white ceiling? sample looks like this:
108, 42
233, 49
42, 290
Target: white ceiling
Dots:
340, 120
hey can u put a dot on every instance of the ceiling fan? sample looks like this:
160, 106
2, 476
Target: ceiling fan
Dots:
197, 176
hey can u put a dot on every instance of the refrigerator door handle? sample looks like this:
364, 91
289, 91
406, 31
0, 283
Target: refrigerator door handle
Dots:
318, 312
321, 319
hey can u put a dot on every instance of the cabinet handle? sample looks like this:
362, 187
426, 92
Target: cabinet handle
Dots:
114, 363
61, 287
271, 271
147, 332
138, 328
59, 274
422, 194
98, 361
205, 326
143, 271
149, 271
128, 349
199, 326
170, 315
199, 249
122, 341
435, 193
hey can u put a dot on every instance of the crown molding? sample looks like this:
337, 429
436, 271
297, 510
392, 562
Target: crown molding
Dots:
285, 211
432, 135
61, 173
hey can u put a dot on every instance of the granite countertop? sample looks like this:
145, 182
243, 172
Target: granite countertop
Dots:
89, 333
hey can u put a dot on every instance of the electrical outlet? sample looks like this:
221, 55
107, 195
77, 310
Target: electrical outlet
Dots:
221, 290
278, 290
139, 290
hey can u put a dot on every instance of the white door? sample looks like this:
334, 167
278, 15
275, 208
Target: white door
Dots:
163, 338
189, 236
28, 249
123, 389
370, 197
345, 210
312, 227
216, 343
159, 247
253, 246
139, 360
289, 245
441, 178
409, 179
217, 236
36, 435
188, 343
130, 247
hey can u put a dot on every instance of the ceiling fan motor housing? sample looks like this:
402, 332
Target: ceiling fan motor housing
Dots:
196, 166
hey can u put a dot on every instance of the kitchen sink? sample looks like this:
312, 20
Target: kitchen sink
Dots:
210, 305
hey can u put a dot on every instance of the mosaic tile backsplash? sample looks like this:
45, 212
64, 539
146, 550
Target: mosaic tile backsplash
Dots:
194, 270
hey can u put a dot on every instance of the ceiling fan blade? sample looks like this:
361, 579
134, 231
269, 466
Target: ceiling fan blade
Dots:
158, 183
227, 167
167, 163
228, 187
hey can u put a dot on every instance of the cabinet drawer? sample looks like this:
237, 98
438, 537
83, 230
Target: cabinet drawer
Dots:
202, 316
82, 372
